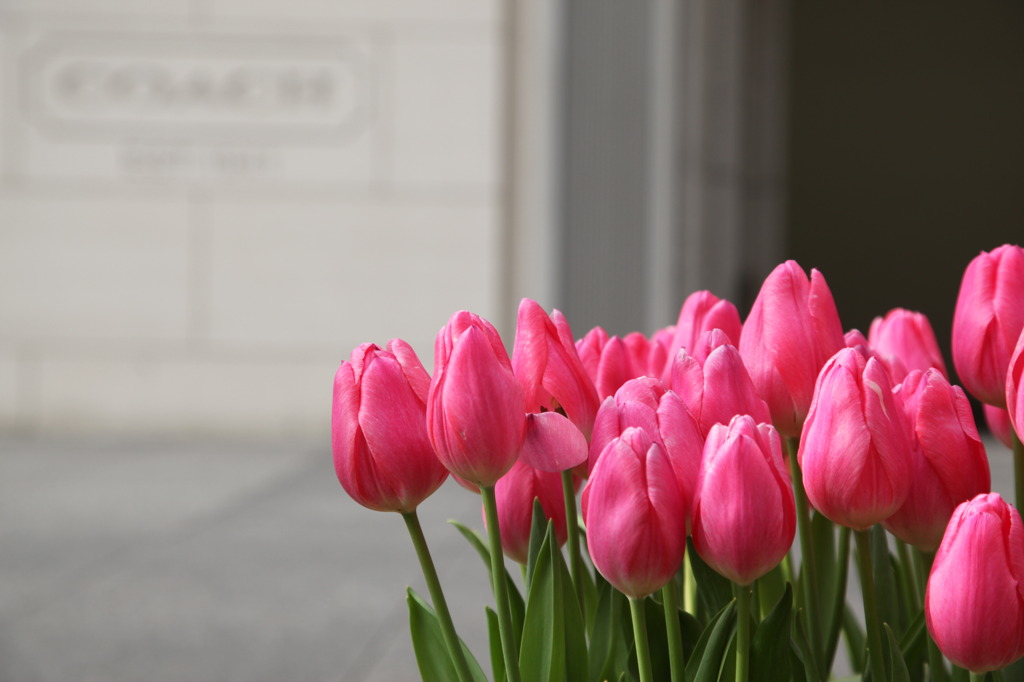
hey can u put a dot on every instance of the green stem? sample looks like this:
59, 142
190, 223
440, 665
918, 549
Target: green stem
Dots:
808, 567
508, 642
643, 650
911, 597
689, 586
874, 627
838, 597
1018, 468
742, 593
936, 665
444, 617
670, 600
978, 677
573, 539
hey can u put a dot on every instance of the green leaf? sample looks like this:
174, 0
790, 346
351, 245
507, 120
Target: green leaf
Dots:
897, 666
542, 653
886, 586
517, 607
855, 639
802, 647
432, 655
608, 650
713, 591
494, 639
538, 530
769, 648
575, 630
707, 657
657, 639
769, 589
835, 606
914, 646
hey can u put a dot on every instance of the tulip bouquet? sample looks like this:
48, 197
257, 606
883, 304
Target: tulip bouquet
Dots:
683, 505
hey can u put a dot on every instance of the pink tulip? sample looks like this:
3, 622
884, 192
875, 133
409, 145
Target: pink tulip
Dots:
476, 410
855, 451
907, 336
998, 421
552, 443
974, 604
658, 351
645, 404
701, 312
949, 461
607, 361
382, 454
792, 330
988, 320
715, 387
634, 515
515, 493
1015, 389
744, 516
545, 361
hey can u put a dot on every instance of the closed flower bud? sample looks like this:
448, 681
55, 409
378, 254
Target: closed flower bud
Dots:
950, 465
1015, 389
974, 604
607, 361
713, 382
515, 493
907, 336
476, 410
988, 320
744, 517
382, 454
792, 330
634, 515
701, 312
855, 450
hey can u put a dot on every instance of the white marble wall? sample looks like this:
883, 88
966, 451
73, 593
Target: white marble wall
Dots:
205, 204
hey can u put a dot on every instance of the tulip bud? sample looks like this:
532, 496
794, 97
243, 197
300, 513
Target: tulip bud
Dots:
907, 336
974, 604
855, 450
1015, 390
382, 454
545, 361
998, 421
476, 410
792, 330
607, 361
717, 387
515, 493
949, 461
701, 312
634, 515
744, 515
988, 320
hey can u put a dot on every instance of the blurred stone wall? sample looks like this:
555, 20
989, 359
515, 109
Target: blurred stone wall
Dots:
206, 204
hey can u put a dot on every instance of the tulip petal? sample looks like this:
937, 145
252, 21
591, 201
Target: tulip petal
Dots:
552, 443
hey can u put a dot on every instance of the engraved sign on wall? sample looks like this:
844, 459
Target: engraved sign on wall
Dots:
197, 106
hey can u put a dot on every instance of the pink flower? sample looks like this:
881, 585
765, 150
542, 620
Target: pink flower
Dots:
855, 449
974, 604
792, 330
908, 336
1015, 388
476, 410
998, 421
607, 361
645, 404
988, 320
950, 465
744, 516
514, 493
701, 312
634, 515
545, 361
382, 454
715, 384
